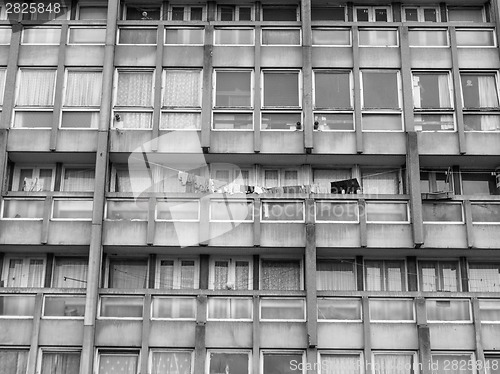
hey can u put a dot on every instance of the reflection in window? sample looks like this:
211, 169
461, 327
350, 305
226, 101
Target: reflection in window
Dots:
281, 89
233, 36
230, 308
23, 209
475, 38
428, 38
280, 36
41, 35
282, 309
14, 360
184, 36
324, 36
283, 275
121, 307
72, 209
174, 307
127, 210
283, 363
17, 305
378, 38
64, 306
481, 122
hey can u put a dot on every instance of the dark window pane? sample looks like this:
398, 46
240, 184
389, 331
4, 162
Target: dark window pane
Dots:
411, 14
380, 90
143, 13
362, 15
233, 89
281, 89
196, 14
281, 363
177, 13
226, 13
228, 363
381, 15
245, 14
475, 183
466, 14
137, 36
479, 91
332, 90
328, 13
279, 13
430, 15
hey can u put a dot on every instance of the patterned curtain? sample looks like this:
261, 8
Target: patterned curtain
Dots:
393, 363
280, 275
221, 275
242, 275
134, 89
171, 362
484, 277
182, 89
13, 361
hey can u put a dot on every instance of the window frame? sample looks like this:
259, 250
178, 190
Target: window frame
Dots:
231, 109
41, 199
153, 318
88, 4
120, 296
35, 175
177, 274
389, 321
184, 28
120, 351
283, 352
420, 13
481, 7
84, 27
280, 28
139, 28
25, 268
63, 257
231, 272
354, 202
487, 322
379, 29
329, 320
440, 277
169, 350
230, 319
282, 109
304, 309
281, 175
385, 274
460, 322
492, 31
236, 12
371, 12
67, 296
232, 28
107, 272
431, 29
480, 73
331, 29
180, 201
263, 220
401, 202
122, 219
284, 5
23, 42
282, 258
471, 359
437, 202
229, 351
250, 203
71, 219
415, 364
187, 11
319, 6
42, 351
234, 172
152, 4
66, 167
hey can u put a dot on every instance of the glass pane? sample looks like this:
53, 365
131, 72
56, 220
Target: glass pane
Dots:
341, 363
411, 14
134, 88
80, 120
17, 306
391, 310
128, 273
492, 364
395, 363
88, 35
430, 15
92, 12
178, 210
484, 277
479, 91
279, 13
233, 89
236, 363
72, 209
36, 87
337, 211
282, 363
465, 14
231, 211
174, 308
381, 122
5, 34
333, 13
245, 13
13, 361
282, 211
229, 308
280, 37
378, 38
380, 90
67, 306
280, 275
281, 89
23, 209
60, 362
489, 310
70, 272
180, 121
332, 90
143, 12
380, 15
171, 362
428, 38
434, 122
233, 36
184, 36
127, 210
339, 309
232, 121
386, 212
335, 275
431, 90
439, 212
137, 120
334, 122
481, 122
121, 307
137, 36
118, 363
475, 38
182, 89
41, 36
281, 121
486, 213
331, 37
362, 14
448, 310
33, 119
283, 309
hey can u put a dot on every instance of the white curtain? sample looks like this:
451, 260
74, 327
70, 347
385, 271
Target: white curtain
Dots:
142, 180
291, 178
182, 88
128, 274
488, 97
60, 363
118, 363
79, 179
36, 87
134, 88
444, 91
166, 274
171, 362
70, 273
393, 363
187, 274
83, 88
35, 273
271, 178
183, 121
13, 361
428, 277
381, 182
335, 276
484, 277
221, 275
280, 275
340, 364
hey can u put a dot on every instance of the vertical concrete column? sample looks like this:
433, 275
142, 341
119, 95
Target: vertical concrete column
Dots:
206, 101
413, 172
360, 276
160, 36
406, 79
257, 81
95, 252
476, 319
146, 327
151, 220
200, 333
469, 229
256, 222
311, 293
307, 76
362, 222
256, 335
35, 333
47, 209
367, 341
357, 90
424, 337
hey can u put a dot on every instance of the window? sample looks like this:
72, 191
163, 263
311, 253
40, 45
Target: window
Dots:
281, 91
70, 272
87, 35
466, 14
2, 85
432, 101
442, 212
233, 36
181, 104
328, 13
133, 107
331, 36
14, 360
381, 181
281, 177
479, 183
438, 276
286, 309
381, 100
372, 14
282, 362
280, 211
421, 14
136, 35
385, 275
339, 309
489, 310
60, 362
481, 122
91, 12
23, 209
33, 178
184, 36
170, 361
41, 35
143, 12
174, 308
280, 36
333, 100
384, 212
428, 37
228, 362
231, 211
280, 13
235, 12
17, 306
395, 362
335, 275
475, 38
134, 210
441, 363
479, 90
49, 12
35, 98
178, 210
436, 181
484, 277
337, 211
23, 271
64, 306
74, 209
126, 362
128, 273
447, 310
378, 37
391, 310
121, 307
231, 273
230, 308
283, 275
177, 273
186, 13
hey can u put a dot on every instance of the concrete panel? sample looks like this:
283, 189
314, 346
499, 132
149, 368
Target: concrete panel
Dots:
337, 235
84, 55
452, 336
128, 140
340, 335
282, 141
283, 235
125, 232
172, 334
375, 57
468, 58
168, 233
394, 336
482, 143
229, 234
59, 332
233, 56
490, 336
231, 142
283, 335
20, 232
332, 57
127, 55
334, 142
282, 57
389, 235
69, 232
179, 141
430, 58
118, 333
444, 236
38, 55
4, 55
384, 143
228, 335
28, 140
183, 56
76, 141
485, 236
437, 143
15, 331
